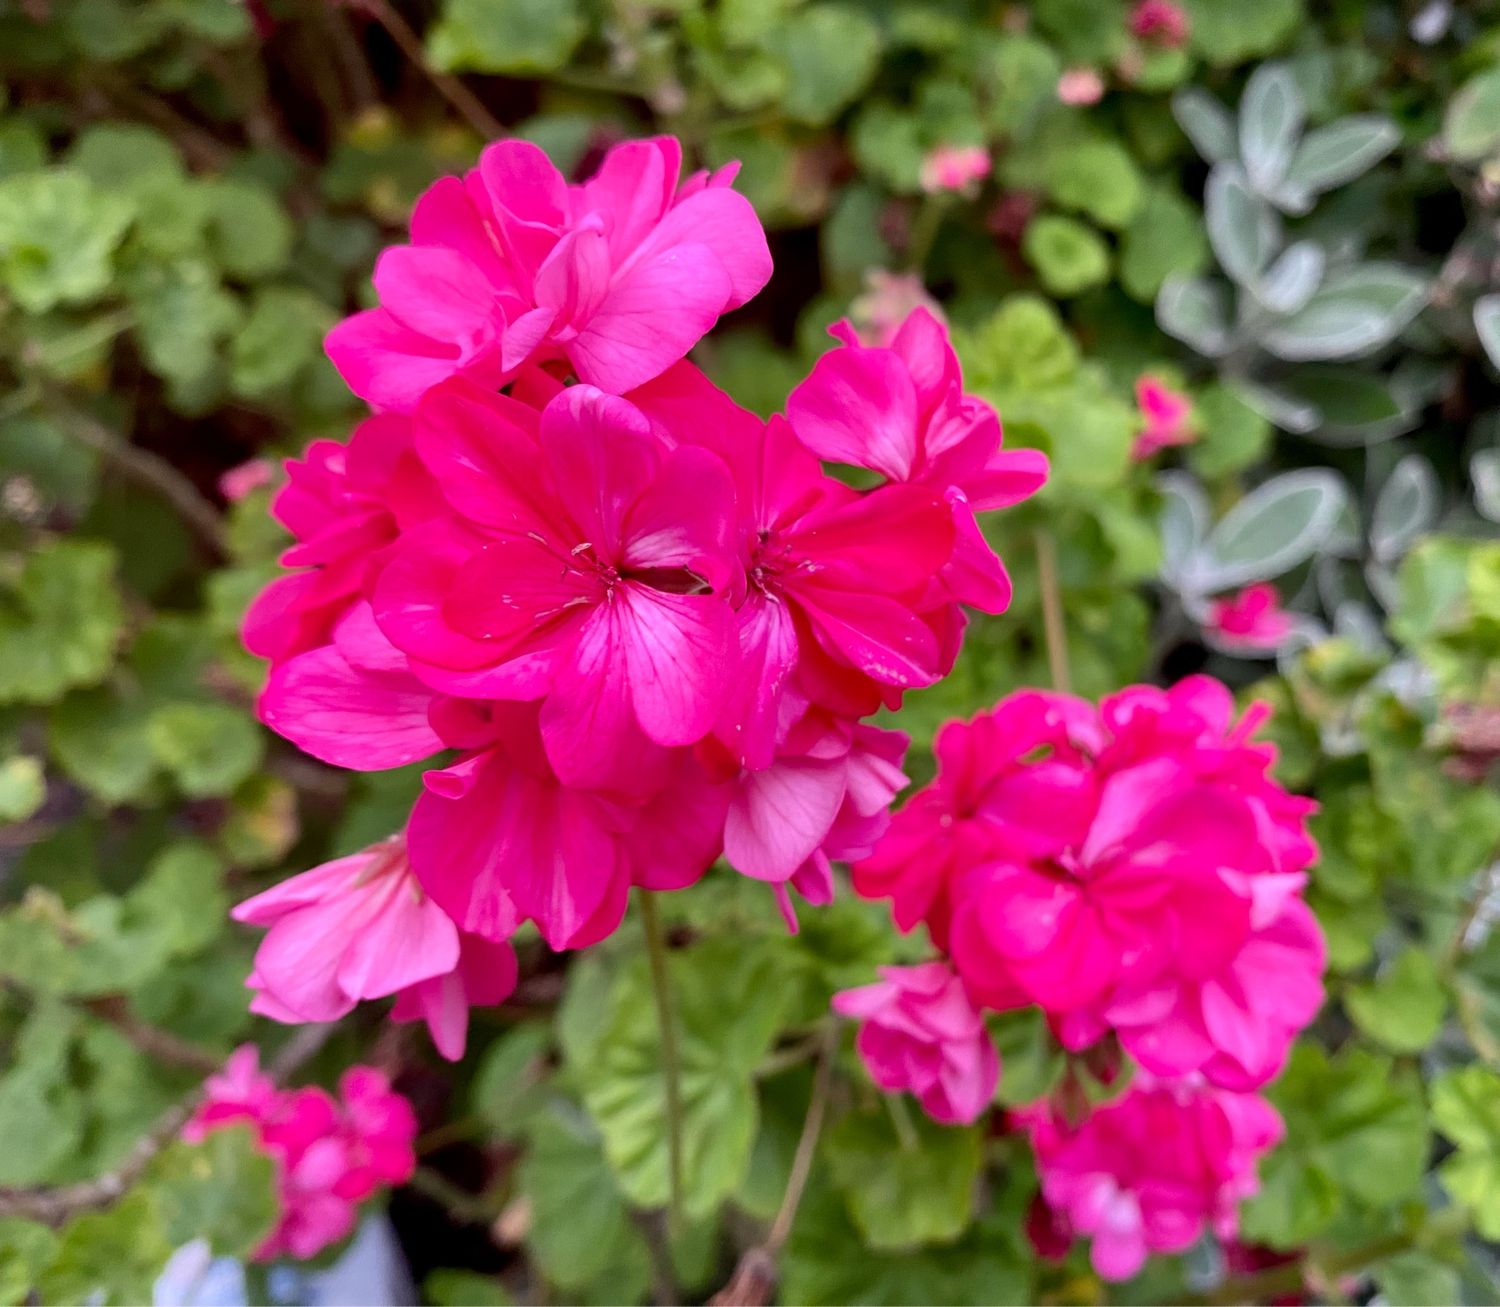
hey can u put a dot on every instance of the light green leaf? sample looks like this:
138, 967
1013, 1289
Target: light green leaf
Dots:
1466, 1108
1404, 1007
830, 52
1165, 237
59, 622
111, 1257
505, 36
1471, 126
1097, 177
207, 748
904, 1194
1228, 32
1068, 256
1352, 313
1233, 436
25, 1248
23, 787
282, 335
58, 235
508, 1084
249, 232
222, 1190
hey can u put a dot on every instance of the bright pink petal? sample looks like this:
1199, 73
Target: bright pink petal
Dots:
858, 406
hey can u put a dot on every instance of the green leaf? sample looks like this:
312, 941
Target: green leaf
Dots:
1095, 176
207, 748
23, 148
1466, 1108
181, 899
23, 787
1471, 125
1418, 1279
455, 1288
581, 1229
1233, 435
59, 470
1166, 236
111, 1257
1242, 227
1207, 123
249, 232
1068, 256
505, 36
282, 335
902, 1195
1277, 526
59, 621
98, 737
1195, 311
183, 316
25, 1248
729, 999
831, 52
1031, 1061
508, 1086
58, 235
223, 1190
1023, 343
1404, 1008
1270, 120
1332, 155
1227, 32
41, 1114
1352, 313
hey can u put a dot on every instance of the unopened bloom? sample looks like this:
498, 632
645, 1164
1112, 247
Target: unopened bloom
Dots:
889, 298
1150, 1172
954, 168
1160, 21
1166, 418
1080, 86
245, 478
620, 276
921, 1034
1252, 619
330, 1154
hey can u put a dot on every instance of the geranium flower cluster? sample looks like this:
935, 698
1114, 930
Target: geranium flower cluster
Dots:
633, 626
1133, 871
330, 1155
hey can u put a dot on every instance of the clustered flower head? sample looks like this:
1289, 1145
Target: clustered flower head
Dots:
330, 1154
1134, 872
630, 626
1251, 620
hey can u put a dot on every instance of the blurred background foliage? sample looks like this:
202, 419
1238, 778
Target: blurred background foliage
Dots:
1291, 218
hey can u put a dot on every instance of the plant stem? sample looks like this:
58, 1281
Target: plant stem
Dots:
924, 230
1053, 626
901, 1119
807, 1146
671, 1069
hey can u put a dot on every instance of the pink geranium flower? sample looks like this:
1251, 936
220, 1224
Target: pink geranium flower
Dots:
330, 1155
1252, 619
1161, 22
484, 976
902, 412
1080, 87
1150, 1172
1166, 418
954, 168
590, 568
921, 1034
889, 298
620, 276
246, 478
356, 928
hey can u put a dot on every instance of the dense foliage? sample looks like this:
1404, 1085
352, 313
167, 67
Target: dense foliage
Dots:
1233, 267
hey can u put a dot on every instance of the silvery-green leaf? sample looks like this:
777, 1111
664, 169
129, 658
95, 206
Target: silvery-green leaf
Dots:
1406, 506
1278, 525
1352, 313
1361, 625
1184, 522
1279, 407
1271, 115
1332, 155
1206, 122
1383, 584
1484, 471
1290, 281
1196, 312
1242, 228
1355, 407
1487, 324
1346, 537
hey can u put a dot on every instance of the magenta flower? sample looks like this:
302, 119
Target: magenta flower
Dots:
1151, 1171
620, 276
590, 567
329, 1155
484, 976
1166, 418
1251, 620
920, 1034
1161, 22
902, 412
246, 478
954, 168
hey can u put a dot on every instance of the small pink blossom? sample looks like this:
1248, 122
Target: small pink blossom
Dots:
246, 478
1151, 1171
954, 168
1080, 86
1166, 418
330, 1155
1251, 619
922, 1035
889, 298
1161, 22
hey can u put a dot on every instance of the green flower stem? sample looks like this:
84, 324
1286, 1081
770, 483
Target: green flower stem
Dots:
924, 230
1054, 627
671, 1067
906, 1132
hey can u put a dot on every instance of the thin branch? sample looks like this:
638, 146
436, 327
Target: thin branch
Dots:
1053, 626
449, 87
756, 1273
154, 473
671, 1069
654, 1234
163, 1045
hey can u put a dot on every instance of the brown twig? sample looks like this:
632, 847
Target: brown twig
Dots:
449, 87
155, 473
56, 1204
163, 1045
755, 1276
